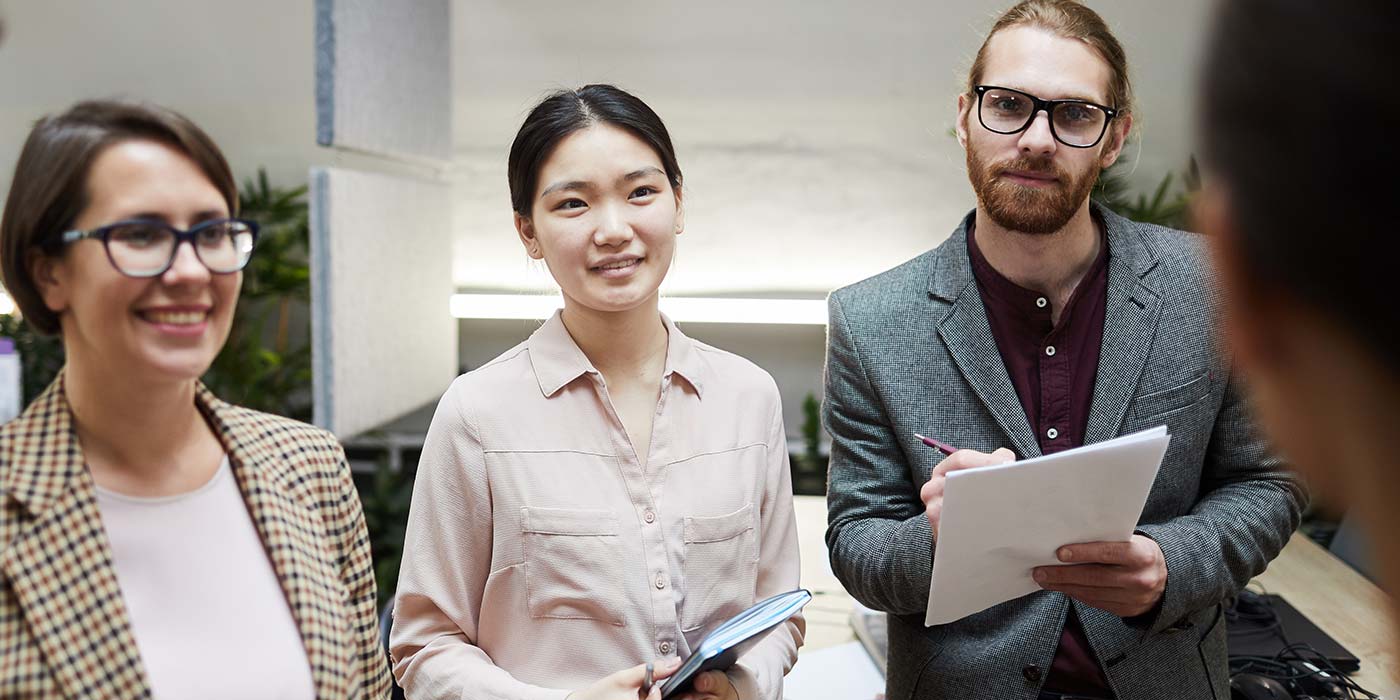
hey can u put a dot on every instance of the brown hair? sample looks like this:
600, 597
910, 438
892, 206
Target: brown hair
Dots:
1071, 20
49, 189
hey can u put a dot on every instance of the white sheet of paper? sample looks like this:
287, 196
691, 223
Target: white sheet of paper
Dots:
1000, 522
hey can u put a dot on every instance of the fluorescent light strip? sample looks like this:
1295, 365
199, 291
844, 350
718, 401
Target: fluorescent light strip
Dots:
811, 312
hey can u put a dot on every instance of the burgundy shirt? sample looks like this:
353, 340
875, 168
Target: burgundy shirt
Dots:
1053, 369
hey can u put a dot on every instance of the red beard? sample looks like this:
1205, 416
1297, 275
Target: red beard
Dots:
1026, 209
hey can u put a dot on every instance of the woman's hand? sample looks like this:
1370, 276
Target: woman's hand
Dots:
626, 684
711, 685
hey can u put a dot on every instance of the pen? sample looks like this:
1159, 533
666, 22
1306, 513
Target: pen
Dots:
943, 447
647, 682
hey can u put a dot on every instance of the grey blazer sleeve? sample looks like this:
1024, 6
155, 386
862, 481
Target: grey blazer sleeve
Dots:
880, 541
1250, 504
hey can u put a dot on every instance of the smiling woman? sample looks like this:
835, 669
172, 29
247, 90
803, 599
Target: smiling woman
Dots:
143, 511
579, 509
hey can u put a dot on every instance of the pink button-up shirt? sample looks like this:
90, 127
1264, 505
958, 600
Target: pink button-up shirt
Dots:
542, 554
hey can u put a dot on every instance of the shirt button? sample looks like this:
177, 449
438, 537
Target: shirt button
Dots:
1041, 302
1032, 673
660, 581
664, 647
1050, 350
1052, 433
649, 516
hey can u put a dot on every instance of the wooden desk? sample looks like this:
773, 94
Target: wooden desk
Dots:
1341, 602
1336, 598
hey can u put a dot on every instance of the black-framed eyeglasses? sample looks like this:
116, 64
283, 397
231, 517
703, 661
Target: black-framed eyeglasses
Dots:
145, 248
1075, 123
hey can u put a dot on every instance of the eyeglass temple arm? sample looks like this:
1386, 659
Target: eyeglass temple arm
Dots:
72, 236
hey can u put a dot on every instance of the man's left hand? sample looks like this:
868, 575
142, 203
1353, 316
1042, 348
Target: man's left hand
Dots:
711, 685
1124, 578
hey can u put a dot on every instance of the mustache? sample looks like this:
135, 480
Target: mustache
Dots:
1029, 165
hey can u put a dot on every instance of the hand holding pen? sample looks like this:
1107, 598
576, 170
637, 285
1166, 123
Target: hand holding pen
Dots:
932, 492
639, 682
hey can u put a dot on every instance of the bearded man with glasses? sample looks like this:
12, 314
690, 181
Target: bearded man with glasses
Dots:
1046, 322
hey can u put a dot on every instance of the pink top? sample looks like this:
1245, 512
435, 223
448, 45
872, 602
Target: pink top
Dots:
207, 611
543, 555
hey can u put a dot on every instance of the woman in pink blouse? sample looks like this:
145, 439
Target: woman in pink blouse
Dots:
608, 491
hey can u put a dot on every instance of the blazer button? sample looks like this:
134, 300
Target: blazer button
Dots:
1032, 673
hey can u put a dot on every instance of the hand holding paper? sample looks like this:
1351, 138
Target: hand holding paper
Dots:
1124, 578
998, 523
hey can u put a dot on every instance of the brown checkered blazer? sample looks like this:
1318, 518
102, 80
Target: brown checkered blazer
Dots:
63, 626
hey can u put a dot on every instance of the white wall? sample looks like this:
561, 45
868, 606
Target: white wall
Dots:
814, 135
243, 71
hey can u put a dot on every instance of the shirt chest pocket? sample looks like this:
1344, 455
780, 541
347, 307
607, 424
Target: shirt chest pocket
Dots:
571, 558
721, 568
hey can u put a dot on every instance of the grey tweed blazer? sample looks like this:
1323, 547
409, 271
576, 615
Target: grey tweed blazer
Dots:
910, 350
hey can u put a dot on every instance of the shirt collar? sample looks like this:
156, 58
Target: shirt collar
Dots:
558, 360
1013, 295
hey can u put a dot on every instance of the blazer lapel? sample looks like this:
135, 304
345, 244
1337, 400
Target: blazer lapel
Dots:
60, 565
1131, 313
968, 337
290, 534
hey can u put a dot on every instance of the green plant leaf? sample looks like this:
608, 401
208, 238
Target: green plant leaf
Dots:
1161, 207
255, 369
